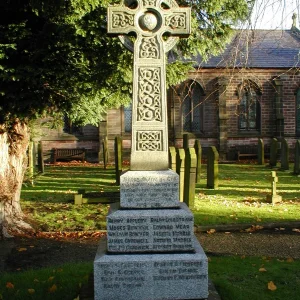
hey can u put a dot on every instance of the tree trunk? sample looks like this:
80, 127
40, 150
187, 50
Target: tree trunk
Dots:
13, 161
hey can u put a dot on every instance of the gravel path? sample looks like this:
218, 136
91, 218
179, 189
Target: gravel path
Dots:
23, 253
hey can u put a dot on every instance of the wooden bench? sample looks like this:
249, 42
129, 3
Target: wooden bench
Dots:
68, 154
246, 151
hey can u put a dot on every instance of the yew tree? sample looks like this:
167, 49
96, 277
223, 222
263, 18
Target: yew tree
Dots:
56, 58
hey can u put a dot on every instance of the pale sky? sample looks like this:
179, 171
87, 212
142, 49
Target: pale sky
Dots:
275, 14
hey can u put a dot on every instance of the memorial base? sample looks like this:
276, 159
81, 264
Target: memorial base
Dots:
150, 276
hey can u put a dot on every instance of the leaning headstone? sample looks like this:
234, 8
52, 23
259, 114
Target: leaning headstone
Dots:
274, 198
260, 152
212, 168
151, 251
190, 177
273, 153
172, 158
284, 157
105, 152
185, 141
297, 158
180, 165
198, 150
41, 166
118, 158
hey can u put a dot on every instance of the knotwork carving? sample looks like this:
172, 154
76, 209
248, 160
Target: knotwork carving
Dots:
122, 19
149, 48
149, 2
176, 21
150, 140
149, 95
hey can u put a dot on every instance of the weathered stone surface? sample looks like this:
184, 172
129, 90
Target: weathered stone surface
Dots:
150, 276
150, 230
149, 189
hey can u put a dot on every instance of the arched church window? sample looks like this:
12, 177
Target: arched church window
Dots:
249, 109
128, 118
192, 107
298, 112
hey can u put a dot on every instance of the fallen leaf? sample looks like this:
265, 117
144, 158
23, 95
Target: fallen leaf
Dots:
53, 288
22, 249
227, 232
262, 270
210, 231
9, 285
31, 291
36, 280
272, 286
51, 278
296, 230
289, 259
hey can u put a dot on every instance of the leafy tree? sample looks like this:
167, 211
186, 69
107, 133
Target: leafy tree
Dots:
55, 57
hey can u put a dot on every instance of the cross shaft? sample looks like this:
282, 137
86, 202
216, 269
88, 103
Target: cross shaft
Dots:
149, 21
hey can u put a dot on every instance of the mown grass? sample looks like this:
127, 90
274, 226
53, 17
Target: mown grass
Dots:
240, 198
235, 278
48, 283
249, 278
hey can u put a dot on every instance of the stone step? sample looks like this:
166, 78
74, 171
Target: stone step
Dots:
150, 230
150, 276
149, 189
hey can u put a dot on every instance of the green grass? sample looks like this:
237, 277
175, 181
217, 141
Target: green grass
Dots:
240, 278
240, 198
49, 283
235, 278
49, 205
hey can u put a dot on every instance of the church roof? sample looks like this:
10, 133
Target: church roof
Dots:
258, 49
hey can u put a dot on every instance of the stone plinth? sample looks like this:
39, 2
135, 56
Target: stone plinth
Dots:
150, 276
149, 189
151, 230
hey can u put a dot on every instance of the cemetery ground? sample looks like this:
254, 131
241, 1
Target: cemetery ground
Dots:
253, 246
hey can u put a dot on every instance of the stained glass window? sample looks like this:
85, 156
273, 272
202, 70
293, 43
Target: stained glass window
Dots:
298, 112
128, 118
192, 108
249, 110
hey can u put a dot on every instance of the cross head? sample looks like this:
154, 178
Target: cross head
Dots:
157, 25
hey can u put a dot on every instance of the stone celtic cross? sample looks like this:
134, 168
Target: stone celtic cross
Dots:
157, 26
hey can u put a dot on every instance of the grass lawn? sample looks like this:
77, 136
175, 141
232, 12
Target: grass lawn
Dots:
236, 278
47, 284
240, 198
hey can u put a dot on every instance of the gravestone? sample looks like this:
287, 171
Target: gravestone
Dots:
260, 152
198, 150
185, 141
190, 177
180, 167
118, 158
297, 158
105, 152
274, 198
273, 153
172, 158
212, 168
150, 251
41, 166
284, 156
